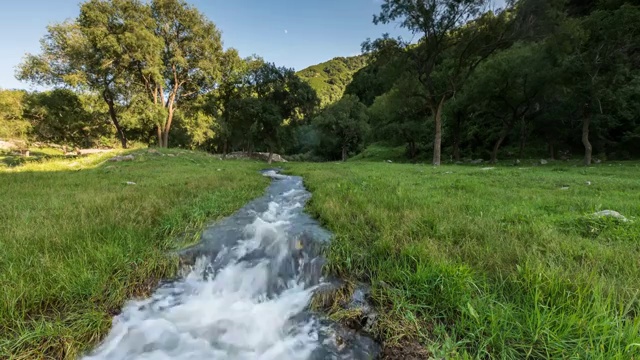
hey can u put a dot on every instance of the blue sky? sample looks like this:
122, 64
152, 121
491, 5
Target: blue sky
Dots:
292, 33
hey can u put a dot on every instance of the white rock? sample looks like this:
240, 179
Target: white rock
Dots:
122, 158
543, 162
611, 213
130, 183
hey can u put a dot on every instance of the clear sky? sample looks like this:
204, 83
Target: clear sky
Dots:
292, 33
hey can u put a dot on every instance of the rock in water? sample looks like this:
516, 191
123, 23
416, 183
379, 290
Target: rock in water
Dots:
612, 214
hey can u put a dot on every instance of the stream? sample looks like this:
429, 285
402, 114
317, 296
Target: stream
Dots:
247, 295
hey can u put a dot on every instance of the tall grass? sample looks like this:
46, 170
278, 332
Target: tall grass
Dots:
76, 241
504, 263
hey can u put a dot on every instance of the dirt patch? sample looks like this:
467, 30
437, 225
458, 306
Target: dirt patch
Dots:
406, 350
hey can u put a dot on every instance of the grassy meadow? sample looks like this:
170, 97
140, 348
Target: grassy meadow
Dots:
77, 241
475, 262
464, 261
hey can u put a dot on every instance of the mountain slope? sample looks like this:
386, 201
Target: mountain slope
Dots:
330, 78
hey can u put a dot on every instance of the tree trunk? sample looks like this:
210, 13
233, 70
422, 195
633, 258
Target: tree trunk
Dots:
159, 135
412, 149
496, 146
344, 153
588, 149
167, 128
456, 137
437, 141
114, 118
523, 138
225, 148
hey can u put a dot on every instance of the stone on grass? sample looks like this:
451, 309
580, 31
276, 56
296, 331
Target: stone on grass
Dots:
488, 168
130, 183
478, 161
122, 158
611, 214
543, 162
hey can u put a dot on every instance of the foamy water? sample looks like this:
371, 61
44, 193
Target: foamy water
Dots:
246, 297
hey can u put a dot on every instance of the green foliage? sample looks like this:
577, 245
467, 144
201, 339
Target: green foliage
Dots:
63, 117
12, 124
343, 127
69, 263
329, 79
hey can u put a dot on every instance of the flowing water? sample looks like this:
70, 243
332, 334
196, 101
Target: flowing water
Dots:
246, 297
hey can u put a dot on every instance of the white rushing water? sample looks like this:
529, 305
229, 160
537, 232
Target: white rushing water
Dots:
246, 297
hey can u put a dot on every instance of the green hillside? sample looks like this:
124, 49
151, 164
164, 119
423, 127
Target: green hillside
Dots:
330, 78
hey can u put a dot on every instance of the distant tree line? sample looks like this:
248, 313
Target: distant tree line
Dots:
538, 78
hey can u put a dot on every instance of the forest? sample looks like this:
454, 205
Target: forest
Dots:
537, 79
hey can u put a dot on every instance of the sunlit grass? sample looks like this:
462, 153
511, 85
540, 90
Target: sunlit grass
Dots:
77, 241
489, 263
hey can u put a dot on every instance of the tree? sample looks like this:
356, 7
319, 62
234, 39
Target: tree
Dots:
64, 117
95, 52
12, 108
280, 100
396, 118
345, 122
188, 63
440, 23
224, 103
507, 87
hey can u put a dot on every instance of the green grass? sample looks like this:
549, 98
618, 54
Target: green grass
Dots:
7, 159
380, 152
501, 263
76, 242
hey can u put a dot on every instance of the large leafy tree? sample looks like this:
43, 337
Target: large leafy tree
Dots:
187, 64
507, 88
64, 117
280, 100
225, 102
344, 123
95, 52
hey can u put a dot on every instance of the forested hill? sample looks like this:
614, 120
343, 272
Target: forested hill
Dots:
330, 78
